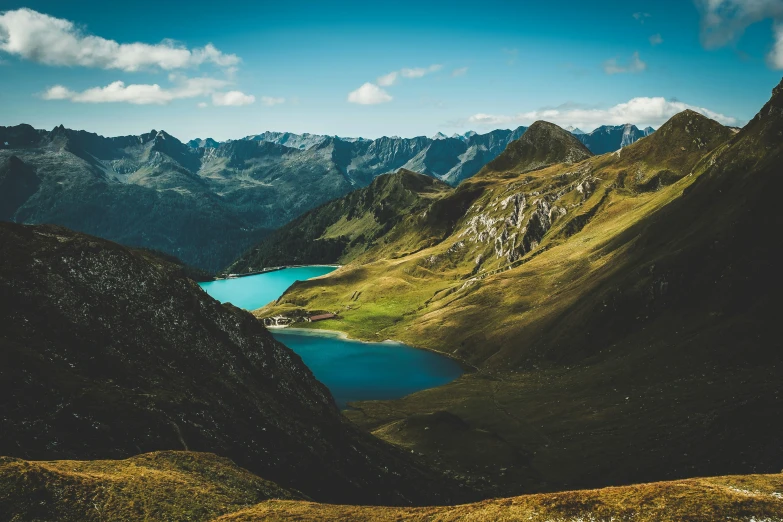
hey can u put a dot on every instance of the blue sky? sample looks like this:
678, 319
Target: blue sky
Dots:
371, 69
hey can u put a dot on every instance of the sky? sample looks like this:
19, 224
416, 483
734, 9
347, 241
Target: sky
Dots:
371, 69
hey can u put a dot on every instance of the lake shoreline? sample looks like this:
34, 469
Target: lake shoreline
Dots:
323, 332
272, 269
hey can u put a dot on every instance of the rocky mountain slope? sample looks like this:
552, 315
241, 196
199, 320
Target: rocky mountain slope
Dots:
609, 138
108, 352
343, 229
448, 159
544, 144
180, 486
206, 202
620, 309
398, 213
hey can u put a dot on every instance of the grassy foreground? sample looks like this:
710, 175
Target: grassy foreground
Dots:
756, 498
180, 486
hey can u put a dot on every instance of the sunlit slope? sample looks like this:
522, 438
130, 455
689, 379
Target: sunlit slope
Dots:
180, 486
519, 239
386, 213
746, 498
621, 311
171, 485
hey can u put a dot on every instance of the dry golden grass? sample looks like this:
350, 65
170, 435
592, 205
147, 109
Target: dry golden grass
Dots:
748, 498
169, 485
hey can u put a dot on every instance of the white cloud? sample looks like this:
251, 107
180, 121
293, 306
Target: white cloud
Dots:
725, 21
656, 39
202, 105
391, 78
418, 72
388, 79
139, 94
270, 101
634, 65
462, 71
369, 94
639, 111
58, 92
232, 98
641, 17
55, 41
775, 57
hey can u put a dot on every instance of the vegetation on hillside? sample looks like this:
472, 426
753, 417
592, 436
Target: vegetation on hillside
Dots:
620, 309
180, 486
345, 228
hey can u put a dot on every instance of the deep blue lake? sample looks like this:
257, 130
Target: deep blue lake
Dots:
358, 371
352, 370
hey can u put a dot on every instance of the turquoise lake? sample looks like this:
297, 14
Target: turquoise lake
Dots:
255, 291
352, 370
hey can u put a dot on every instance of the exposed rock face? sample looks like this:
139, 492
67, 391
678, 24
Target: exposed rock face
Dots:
608, 138
105, 353
206, 202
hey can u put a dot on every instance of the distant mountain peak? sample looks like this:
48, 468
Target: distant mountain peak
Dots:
439, 136
574, 130
543, 144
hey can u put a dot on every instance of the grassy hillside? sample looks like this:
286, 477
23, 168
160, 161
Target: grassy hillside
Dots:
170, 485
345, 228
180, 486
746, 498
620, 310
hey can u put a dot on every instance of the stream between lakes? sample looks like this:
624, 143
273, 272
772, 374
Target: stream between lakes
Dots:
352, 370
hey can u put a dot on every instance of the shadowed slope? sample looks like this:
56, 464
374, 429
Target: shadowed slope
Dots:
106, 353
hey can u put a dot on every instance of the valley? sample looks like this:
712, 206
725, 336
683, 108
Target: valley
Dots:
530, 322
578, 290
351, 370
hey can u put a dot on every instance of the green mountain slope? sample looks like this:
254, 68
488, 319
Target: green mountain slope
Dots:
620, 310
340, 230
543, 144
107, 352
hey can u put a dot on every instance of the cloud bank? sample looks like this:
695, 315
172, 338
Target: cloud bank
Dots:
725, 21
44, 39
639, 111
152, 94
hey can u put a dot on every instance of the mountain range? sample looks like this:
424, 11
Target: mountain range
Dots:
205, 202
